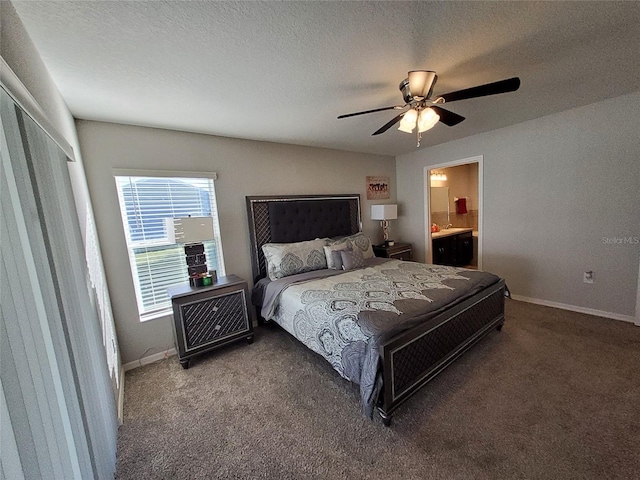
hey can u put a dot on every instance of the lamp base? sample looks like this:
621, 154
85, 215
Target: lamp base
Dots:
197, 265
389, 243
385, 230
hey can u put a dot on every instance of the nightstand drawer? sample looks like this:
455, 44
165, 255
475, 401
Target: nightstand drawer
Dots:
404, 255
398, 251
214, 319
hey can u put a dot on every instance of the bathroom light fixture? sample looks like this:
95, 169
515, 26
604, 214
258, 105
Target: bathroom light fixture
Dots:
438, 177
384, 213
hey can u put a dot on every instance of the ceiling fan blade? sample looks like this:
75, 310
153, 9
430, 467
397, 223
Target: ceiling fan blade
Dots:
502, 86
396, 107
388, 125
448, 118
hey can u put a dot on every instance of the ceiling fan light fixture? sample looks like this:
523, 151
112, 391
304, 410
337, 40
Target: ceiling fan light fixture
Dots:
427, 119
420, 82
425, 111
408, 122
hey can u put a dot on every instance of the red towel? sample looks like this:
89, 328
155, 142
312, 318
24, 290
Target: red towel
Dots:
462, 205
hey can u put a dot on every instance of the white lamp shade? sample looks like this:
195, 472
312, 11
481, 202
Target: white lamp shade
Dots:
408, 122
427, 119
189, 229
420, 82
384, 212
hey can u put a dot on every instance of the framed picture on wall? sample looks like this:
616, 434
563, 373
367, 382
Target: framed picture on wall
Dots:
377, 188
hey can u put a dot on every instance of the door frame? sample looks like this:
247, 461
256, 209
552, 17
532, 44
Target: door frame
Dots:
427, 202
637, 322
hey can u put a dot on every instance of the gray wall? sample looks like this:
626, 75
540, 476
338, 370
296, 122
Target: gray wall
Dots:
21, 55
82, 330
244, 168
553, 188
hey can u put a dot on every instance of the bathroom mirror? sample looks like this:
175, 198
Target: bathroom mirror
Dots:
440, 201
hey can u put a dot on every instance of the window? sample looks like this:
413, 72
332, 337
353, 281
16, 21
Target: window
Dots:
156, 264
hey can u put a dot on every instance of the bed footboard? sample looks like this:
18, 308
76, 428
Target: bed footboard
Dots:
413, 358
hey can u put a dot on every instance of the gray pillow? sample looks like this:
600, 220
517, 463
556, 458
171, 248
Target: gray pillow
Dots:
359, 241
336, 260
284, 259
352, 259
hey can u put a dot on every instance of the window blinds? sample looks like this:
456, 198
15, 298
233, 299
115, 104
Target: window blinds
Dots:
156, 263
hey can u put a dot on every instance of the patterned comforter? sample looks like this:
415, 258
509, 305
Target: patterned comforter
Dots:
346, 316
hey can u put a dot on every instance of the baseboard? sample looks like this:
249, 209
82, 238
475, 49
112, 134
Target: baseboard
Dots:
121, 397
150, 359
573, 308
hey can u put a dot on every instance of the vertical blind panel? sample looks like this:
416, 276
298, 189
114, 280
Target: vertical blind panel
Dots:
63, 388
145, 203
36, 374
10, 465
65, 253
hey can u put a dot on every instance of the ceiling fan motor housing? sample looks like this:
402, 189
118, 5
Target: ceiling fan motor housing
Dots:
423, 80
421, 83
404, 88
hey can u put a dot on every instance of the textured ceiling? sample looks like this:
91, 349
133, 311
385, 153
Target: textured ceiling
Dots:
282, 72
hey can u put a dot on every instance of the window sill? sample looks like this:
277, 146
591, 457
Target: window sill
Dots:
166, 313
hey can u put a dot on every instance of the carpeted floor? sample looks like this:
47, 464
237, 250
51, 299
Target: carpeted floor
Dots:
555, 395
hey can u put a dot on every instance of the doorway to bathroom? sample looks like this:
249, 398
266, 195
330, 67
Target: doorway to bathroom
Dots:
453, 212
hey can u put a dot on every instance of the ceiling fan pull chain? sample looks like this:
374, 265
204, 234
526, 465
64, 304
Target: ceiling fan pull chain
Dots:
419, 139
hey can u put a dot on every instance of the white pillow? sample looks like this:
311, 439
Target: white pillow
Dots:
284, 259
331, 261
358, 241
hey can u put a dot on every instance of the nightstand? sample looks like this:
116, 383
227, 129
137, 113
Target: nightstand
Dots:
206, 318
398, 251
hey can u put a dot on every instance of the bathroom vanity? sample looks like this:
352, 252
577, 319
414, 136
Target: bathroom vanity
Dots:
453, 246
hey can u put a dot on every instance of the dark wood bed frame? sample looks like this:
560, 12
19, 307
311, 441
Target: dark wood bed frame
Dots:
413, 357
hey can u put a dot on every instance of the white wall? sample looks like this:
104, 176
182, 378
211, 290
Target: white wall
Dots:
553, 188
243, 167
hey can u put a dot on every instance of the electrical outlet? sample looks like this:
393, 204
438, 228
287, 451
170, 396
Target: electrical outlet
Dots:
588, 277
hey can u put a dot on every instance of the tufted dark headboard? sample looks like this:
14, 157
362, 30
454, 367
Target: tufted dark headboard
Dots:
296, 218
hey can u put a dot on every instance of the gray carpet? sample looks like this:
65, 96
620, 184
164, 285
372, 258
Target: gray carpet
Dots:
554, 395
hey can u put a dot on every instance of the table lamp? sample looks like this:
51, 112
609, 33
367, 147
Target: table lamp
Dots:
192, 231
384, 213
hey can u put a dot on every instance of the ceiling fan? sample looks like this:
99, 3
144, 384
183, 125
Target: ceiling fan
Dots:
424, 111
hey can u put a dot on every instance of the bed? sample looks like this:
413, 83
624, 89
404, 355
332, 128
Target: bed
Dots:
388, 325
